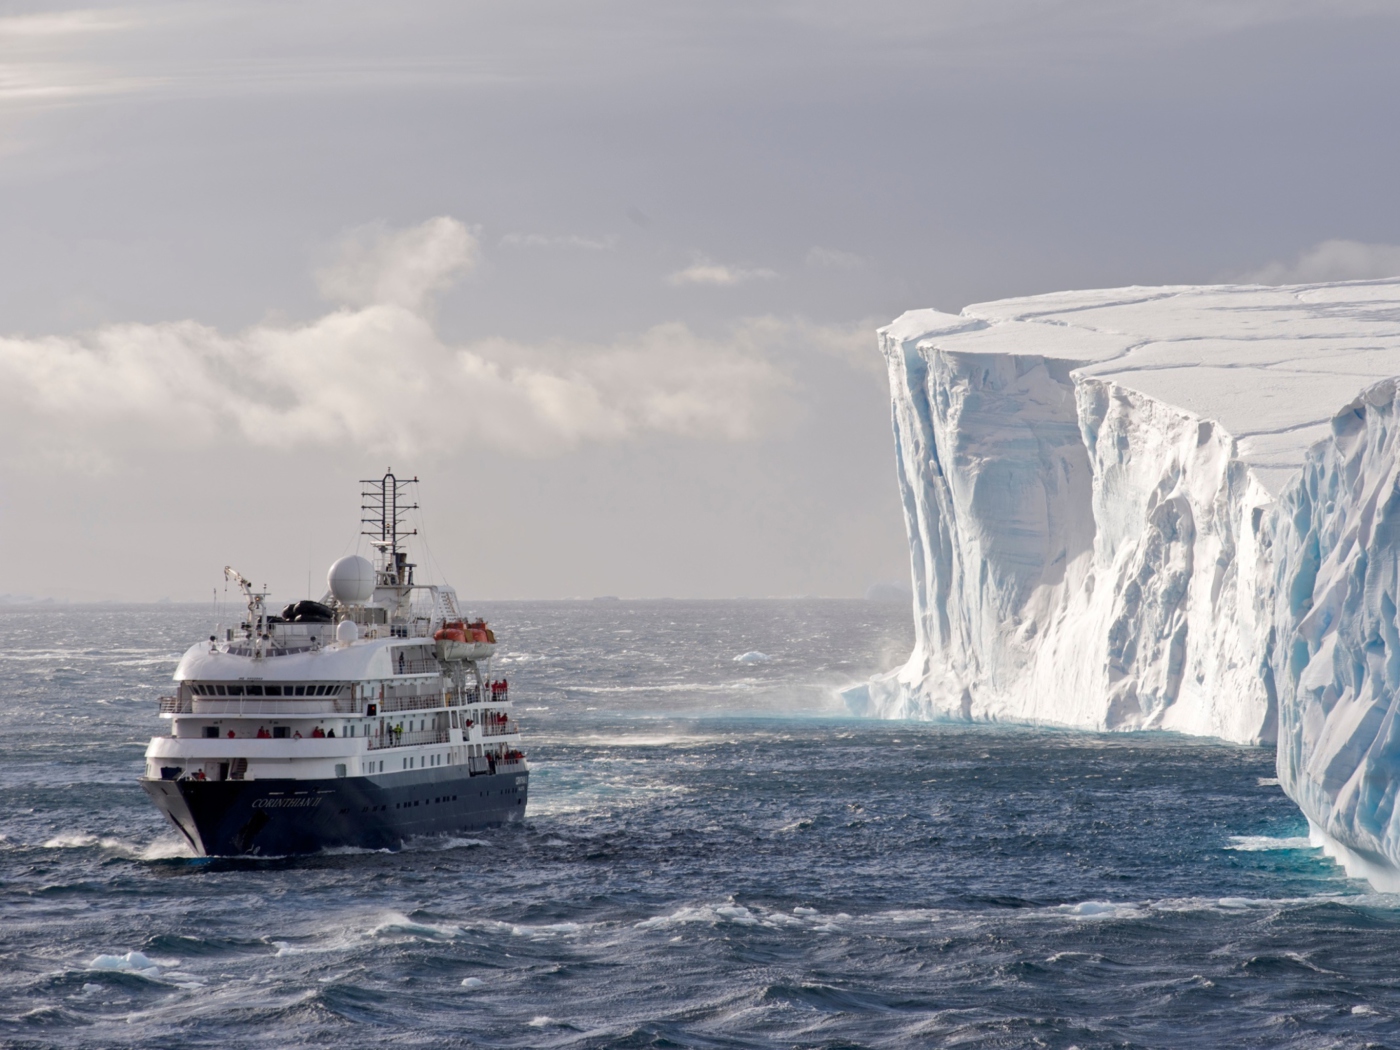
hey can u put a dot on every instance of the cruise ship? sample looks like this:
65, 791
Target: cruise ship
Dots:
359, 720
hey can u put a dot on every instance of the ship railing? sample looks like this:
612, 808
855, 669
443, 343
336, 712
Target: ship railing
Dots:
175, 705
422, 702
499, 728
233, 706
415, 628
422, 736
246, 649
481, 764
414, 665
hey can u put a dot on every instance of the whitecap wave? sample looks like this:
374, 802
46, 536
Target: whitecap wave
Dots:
167, 847
1265, 843
540, 933
1101, 910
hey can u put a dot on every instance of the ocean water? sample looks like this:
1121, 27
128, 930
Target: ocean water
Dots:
715, 856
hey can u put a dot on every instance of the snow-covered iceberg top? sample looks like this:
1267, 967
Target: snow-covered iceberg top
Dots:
1168, 508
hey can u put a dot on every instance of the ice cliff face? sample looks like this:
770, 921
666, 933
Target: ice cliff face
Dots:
1337, 661
1170, 508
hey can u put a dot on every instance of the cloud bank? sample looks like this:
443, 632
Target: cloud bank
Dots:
375, 375
705, 272
572, 240
1334, 260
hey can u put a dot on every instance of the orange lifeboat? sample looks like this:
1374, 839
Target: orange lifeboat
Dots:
453, 632
457, 640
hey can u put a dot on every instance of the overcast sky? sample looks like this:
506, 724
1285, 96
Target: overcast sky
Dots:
605, 275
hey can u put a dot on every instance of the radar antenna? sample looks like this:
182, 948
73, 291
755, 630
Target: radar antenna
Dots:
383, 512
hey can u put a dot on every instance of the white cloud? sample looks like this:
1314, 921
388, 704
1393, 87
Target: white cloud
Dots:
378, 266
58, 24
1334, 260
704, 272
540, 240
377, 376
835, 259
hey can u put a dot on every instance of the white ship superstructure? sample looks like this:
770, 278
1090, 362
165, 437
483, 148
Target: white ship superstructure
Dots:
357, 720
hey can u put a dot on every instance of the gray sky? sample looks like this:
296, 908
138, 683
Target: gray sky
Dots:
604, 275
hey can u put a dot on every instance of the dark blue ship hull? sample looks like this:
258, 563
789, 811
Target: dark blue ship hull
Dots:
273, 818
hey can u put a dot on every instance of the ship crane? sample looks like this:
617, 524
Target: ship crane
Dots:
256, 620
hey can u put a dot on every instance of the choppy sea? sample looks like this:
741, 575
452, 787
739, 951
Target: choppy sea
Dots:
714, 856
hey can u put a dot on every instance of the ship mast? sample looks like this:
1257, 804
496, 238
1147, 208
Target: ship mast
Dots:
383, 511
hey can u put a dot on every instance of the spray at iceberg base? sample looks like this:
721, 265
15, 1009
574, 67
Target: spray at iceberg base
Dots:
1143, 509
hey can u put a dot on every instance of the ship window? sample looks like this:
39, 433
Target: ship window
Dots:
235, 690
318, 690
218, 689
301, 690
272, 690
211, 731
253, 690
281, 732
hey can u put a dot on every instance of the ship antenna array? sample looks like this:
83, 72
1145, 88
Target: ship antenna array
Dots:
383, 511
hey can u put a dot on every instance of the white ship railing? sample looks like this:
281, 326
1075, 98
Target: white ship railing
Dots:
423, 702
423, 736
417, 665
499, 728
343, 705
255, 706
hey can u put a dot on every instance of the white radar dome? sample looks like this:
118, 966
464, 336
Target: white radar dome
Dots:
346, 632
351, 580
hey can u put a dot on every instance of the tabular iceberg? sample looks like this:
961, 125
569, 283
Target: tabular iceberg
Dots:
1164, 508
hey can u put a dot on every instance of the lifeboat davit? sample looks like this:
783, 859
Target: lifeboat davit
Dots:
460, 640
